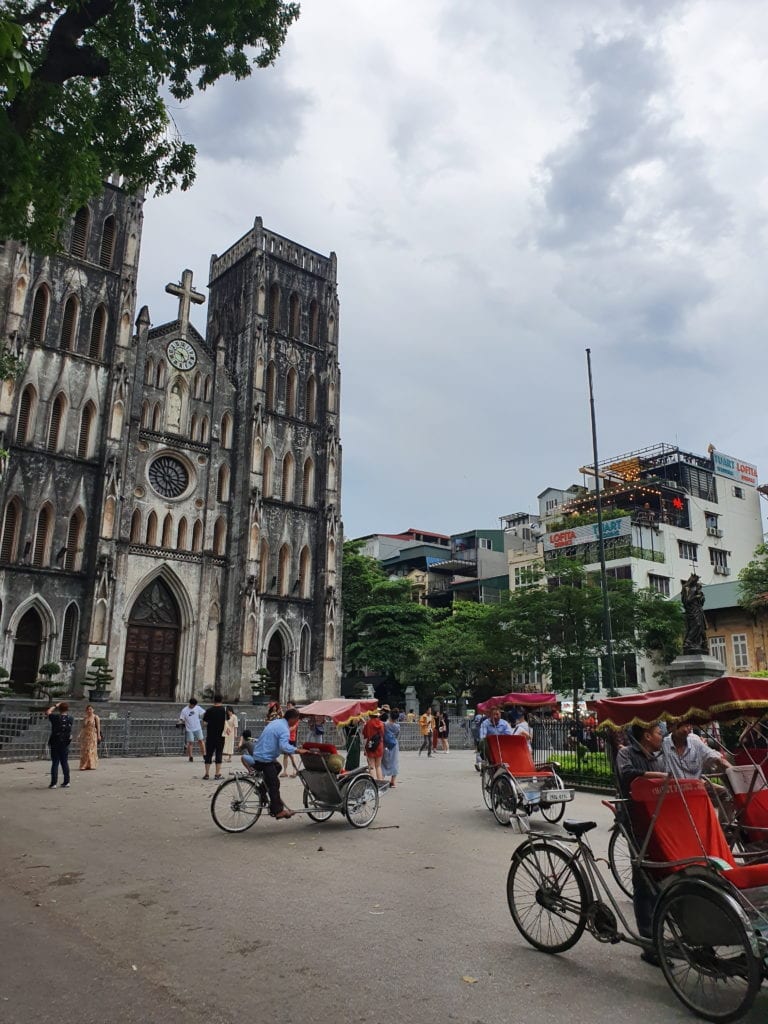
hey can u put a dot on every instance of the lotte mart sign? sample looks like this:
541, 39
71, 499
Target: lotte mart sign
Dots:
735, 469
587, 534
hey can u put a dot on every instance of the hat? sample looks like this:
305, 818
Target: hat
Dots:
384, 707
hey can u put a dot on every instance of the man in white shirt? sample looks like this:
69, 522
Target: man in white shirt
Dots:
192, 716
521, 727
685, 755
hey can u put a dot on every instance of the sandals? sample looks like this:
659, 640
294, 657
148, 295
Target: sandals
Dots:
217, 778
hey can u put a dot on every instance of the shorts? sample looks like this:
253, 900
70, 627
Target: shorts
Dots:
248, 759
196, 735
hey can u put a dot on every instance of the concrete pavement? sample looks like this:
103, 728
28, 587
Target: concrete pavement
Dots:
121, 901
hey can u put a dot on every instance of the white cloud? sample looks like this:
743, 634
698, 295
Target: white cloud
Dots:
504, 185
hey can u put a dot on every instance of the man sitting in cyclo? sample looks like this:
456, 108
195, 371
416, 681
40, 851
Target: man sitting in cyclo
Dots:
274, 741
493, 726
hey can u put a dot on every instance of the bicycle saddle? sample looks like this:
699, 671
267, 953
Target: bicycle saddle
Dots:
578, 828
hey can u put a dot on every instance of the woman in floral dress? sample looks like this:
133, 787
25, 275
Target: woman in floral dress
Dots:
90, 737
230, 733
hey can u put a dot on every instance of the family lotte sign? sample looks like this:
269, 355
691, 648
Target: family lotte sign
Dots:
587, 534
735, 469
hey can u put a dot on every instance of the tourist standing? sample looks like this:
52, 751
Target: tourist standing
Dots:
426, 726
442, 731
215, 719
192, 716
59, 741
89, 739
230, 733
390, 761
373, 734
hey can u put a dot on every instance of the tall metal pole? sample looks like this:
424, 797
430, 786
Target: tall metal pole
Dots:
607, 631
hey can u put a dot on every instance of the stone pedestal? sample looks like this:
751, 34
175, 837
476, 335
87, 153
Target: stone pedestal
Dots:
694, 668
411, 700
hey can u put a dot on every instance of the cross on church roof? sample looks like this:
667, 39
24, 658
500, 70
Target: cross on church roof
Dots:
186, 294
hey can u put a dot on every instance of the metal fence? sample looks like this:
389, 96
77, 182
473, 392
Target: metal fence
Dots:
580, 751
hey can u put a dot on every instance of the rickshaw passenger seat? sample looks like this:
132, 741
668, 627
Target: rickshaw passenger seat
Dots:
578, 828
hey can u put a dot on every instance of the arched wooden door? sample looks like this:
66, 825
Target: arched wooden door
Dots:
152, 645
275, 658
26, 651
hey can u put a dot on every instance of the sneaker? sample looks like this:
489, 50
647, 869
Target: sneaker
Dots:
53, 785
65, 786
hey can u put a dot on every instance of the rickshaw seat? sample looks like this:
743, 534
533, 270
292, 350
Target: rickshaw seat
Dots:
750, 796
751, 756
323, 748
515, 753
687, 828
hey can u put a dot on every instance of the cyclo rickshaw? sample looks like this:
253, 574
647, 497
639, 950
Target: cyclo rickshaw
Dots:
710, 917
512, 784
329, 785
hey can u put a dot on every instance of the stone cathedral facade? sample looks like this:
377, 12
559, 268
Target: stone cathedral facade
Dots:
171, 501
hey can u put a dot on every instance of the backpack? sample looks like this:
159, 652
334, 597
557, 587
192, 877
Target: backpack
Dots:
372, 743
390, 741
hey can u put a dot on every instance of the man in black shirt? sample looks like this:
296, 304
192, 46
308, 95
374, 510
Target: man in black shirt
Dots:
60, 738
215, 719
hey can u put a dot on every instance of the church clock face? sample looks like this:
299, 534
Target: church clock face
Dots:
181, 354
168, 476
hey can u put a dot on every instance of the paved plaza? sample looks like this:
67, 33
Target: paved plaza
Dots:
120, 901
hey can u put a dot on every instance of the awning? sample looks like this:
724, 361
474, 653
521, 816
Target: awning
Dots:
340, 709
726, 699
526, 700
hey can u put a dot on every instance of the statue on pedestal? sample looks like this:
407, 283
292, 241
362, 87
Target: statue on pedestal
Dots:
695, 640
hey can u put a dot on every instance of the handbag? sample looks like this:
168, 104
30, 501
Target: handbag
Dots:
372, 744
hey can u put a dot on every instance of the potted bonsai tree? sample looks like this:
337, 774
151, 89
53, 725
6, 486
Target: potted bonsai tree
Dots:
6, 690
260, 687
98, 679
46, 686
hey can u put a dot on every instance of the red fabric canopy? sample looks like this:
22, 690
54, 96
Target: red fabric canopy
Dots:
726, 699
526, 700
340, 709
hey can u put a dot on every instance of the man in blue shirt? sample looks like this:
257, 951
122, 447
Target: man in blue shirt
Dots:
495, 725
274, 741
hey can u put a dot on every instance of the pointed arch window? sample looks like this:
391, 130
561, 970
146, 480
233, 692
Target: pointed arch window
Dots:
25, 421
205, 429
268, 464
310, 403
208, 389
274, 307
256, 456
38, 324
149, 372
308, 483
73, 556
108, 519
193, 427
152, 530
69, 325
98, 330
197, 536
11, 523
145, 414
41, 552
284, 570
225, 432
253, 540
85, 438
289, 477
294, 315
181, 536
305, 650
197, 384
270, 389
314, 322
305, 572
157, 417
80, 228
107, 249
222, 484
167, 539
57, 426
136, 527
69, 633
116, 423
160, 374
291, 386
219, 536
263, 567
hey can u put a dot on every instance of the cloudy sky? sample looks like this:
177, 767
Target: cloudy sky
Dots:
505, 183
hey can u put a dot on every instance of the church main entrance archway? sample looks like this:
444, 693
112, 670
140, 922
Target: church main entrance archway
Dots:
26, 651
275, 658
152, 645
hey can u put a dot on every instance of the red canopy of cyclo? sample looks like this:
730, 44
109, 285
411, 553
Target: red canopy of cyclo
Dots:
340, 709
726, 699
525, 700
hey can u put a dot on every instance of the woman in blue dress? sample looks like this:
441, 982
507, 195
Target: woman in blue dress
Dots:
390, 762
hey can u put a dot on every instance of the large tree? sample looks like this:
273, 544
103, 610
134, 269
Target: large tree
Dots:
83, 88
456, 660
387, 633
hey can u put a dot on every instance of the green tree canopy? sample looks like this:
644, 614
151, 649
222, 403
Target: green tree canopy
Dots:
386, 634
82, 87
456, 658
753, 581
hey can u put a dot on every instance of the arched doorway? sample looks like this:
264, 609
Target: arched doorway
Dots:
152, 645
275, 657
26, 651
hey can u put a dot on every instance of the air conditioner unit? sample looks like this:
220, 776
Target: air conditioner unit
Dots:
713, 531
722, 570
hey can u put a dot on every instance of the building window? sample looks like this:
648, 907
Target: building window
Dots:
73, 554
484, 543
290, 393
271, 387
69, 633
151, 538
551, 504
197, 536
273, 314
226, 431
738, 492
294, 314
11, 523
305, 573
314, 322
168, 476
107, 243
26, 409
289, 475
86, 424
718, 558
98, 329
710, 521
57, 420
222, 487
740, 650
268, 469
69, 325
263, 566
39, 321
219, 536
310, 405
80, 232
284, 570
687, 551
660, 584
717, 648
305, 647
41, 552
308, 483
136, 527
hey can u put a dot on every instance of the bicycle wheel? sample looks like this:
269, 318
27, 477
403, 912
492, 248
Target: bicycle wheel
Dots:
620, 860
547, 895
553, 812
486, 781
317, 813
705, 952
503, 799
237, 804
361, 801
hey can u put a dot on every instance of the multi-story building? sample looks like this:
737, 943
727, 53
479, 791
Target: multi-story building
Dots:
171, 500
738, 638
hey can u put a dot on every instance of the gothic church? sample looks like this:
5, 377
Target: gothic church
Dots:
171, 501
